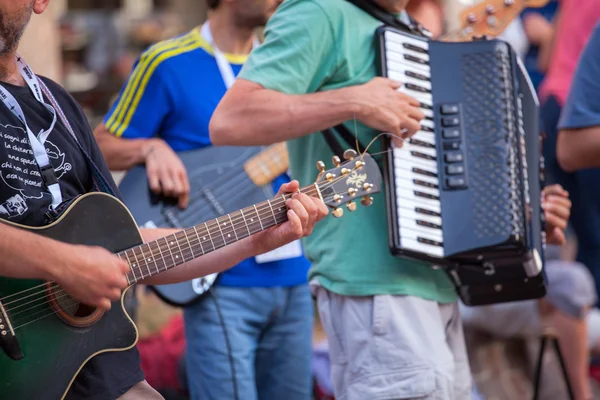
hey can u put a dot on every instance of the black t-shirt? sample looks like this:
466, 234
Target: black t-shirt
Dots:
24, 199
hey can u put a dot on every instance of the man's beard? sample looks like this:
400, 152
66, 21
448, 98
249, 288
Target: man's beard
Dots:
11, 29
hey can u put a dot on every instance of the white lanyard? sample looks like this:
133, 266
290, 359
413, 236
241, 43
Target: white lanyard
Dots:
224, 66
36, 142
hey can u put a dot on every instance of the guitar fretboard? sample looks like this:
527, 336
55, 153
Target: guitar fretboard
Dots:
268, 164
170, 251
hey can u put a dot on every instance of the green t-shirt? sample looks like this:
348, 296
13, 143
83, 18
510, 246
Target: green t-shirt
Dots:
318, 45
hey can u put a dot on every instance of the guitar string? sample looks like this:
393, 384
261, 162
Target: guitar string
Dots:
212, 223
266, 210
73, 302
263, 211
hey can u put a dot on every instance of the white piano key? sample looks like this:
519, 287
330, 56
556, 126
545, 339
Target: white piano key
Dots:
414, 161
428, 137
402, 77
413, 215
408, 197
401, 39
412, 244
411, 176
428, 124
400, 49
409, 185
403, 165
423, 231
397, 60
413, 207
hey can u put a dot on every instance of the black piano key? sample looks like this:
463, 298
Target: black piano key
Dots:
428, 241
414, 59
425, 184
420, 210
425, 195
417, 88
429, 224
425, 106
415, 48
415, 75
421, 143
426, 129
423, 172
423, 156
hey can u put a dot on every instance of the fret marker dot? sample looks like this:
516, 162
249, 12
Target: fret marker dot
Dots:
204, 238
251, 219
171, 243
228, 235
134, 265
224, 223
149, 259
176, 256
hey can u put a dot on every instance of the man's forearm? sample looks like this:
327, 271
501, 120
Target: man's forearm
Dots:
26, 255
579, 148
215, 261
121, 154
262, 117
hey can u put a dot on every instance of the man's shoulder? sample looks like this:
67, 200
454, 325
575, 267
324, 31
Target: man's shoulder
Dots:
173, 51
332, 9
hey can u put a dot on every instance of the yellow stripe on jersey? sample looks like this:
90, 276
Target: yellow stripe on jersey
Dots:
140, 72
193, 45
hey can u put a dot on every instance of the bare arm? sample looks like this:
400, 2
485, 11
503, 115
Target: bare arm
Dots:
579, 148
122, 154
252, 115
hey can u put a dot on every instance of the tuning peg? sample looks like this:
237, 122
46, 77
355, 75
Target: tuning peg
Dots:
321, 166
352, 191
367, 186
338, 212
329, 176
350, 154
338, 198
366, 201
351, 206
336, 161
345, 171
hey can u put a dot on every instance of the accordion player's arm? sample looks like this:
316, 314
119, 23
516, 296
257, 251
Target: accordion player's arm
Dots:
579, 148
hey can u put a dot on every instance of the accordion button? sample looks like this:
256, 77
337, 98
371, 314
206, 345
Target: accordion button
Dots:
451, 133
456, 182
450, 121
450, 109
453, 157
455, 169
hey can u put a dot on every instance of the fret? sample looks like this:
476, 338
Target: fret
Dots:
223, 236
272, 212
199, 241
137, 263
132, 270
210, 236
170, 252
245, 222
189, 243
161, 256
259, 220
141, 247
179, 247
126, 276
233, 226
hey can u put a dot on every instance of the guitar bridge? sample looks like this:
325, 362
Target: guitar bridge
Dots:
8, 339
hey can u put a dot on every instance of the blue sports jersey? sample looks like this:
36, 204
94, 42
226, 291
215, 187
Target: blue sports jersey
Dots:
172, 93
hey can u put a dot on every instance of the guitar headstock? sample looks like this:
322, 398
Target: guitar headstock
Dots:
357, 178
491, 17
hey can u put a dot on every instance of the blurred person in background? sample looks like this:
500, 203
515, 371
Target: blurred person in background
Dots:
575, 22
164, 108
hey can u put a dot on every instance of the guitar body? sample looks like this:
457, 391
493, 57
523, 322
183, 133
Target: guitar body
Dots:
54, 351
219, 185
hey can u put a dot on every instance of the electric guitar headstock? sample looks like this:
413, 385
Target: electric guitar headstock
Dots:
489, 18
357, 178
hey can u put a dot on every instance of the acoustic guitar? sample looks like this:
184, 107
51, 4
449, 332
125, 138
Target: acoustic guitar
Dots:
47, 336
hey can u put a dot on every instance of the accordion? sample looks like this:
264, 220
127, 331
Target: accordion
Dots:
464, 193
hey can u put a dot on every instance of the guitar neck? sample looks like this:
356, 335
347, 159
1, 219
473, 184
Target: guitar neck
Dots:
268, 164
153, 258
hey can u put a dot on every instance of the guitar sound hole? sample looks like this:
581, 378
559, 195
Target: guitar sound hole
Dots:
71, 311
